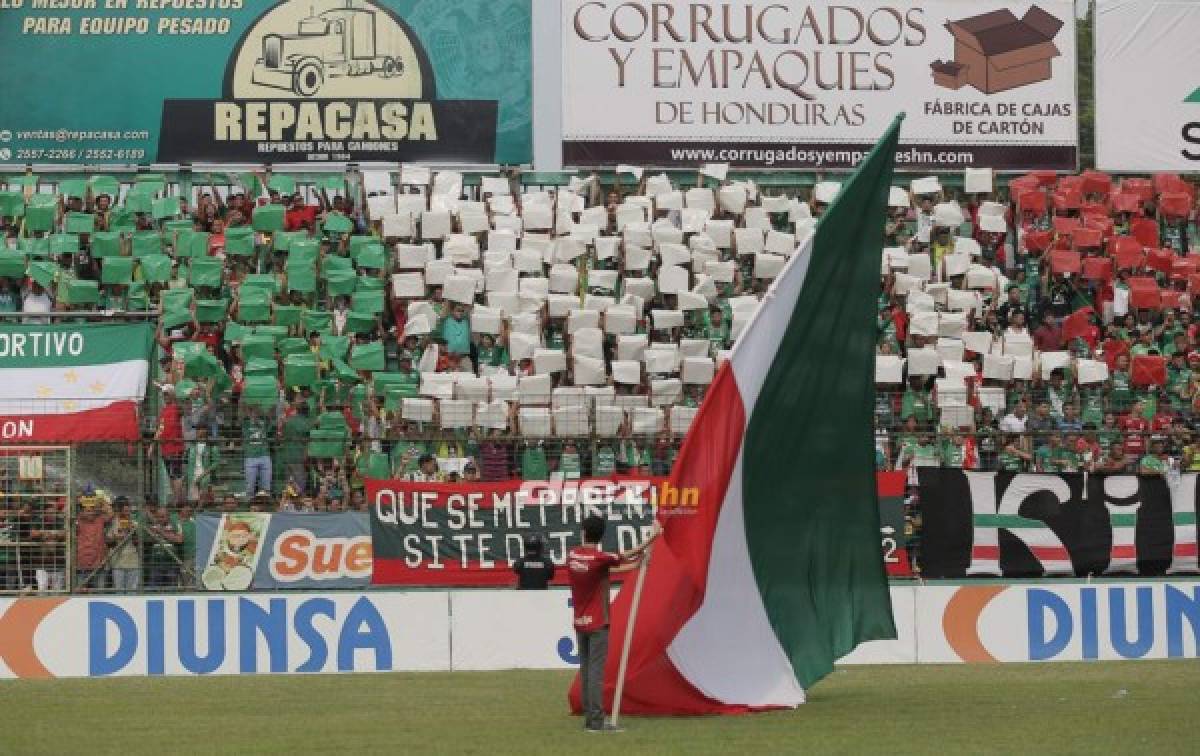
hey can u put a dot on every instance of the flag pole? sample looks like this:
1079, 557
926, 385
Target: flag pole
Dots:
629, 625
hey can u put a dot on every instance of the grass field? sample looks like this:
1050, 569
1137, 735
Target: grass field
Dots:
1143, 707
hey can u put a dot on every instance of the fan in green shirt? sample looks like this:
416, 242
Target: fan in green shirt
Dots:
632, 456
1092, 406
1120, 386
1179, 378
456, 330
569, 463
257, 430
916, 404
604, 460
1043, 459
406, 456
716, 330
10, 298
952, 453
295, 436
534, 465
1012, 458
1152, 464
491, 353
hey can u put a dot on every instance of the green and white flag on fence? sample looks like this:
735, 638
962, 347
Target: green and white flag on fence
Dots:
77, 382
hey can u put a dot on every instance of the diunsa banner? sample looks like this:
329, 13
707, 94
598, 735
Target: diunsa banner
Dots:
1147, 85
790, 84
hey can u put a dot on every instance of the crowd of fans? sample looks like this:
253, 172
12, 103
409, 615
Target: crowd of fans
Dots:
1053, 332
315, 334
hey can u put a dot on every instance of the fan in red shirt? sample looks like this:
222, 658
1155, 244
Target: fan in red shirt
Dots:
170, 440
588, 568
299, 216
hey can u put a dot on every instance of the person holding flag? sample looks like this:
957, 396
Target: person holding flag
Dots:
588, 570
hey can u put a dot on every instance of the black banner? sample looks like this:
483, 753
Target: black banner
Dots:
1031, 525
279, 131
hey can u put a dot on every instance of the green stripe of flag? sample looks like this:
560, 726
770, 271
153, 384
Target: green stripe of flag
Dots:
812, 529
1194, 96
35, 346
1185, 518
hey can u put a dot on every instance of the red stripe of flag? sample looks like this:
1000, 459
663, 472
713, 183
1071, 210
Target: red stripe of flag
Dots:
116, 422
1125, 551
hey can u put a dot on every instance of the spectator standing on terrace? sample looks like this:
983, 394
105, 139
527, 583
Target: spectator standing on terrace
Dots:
91, 545
170, 440
187, 546
427, 471
1015, 421
10, 295
36, 300
163, 537
126, 559
293, 451
257, 430
456, 330
588, 570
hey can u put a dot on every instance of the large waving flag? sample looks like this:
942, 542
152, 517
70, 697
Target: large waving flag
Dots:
77, 382
753, 594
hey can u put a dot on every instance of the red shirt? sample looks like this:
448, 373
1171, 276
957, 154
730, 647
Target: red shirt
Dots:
299, 218
1133, 424
587, 571
170, 431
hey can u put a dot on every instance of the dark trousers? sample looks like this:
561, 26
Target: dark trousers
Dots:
593, 650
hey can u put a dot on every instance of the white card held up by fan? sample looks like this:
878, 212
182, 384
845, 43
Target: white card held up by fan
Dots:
1091, 371
889, 369
998, 367
1051, 361
924, 361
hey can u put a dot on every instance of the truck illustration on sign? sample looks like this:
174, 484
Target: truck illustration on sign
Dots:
338, 42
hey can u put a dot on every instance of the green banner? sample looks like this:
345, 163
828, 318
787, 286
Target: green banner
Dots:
296, 81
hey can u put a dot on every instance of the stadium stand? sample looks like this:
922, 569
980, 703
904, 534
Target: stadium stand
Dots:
316, 332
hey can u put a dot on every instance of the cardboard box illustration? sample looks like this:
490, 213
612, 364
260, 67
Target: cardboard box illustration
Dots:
1000, 52
948, 74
